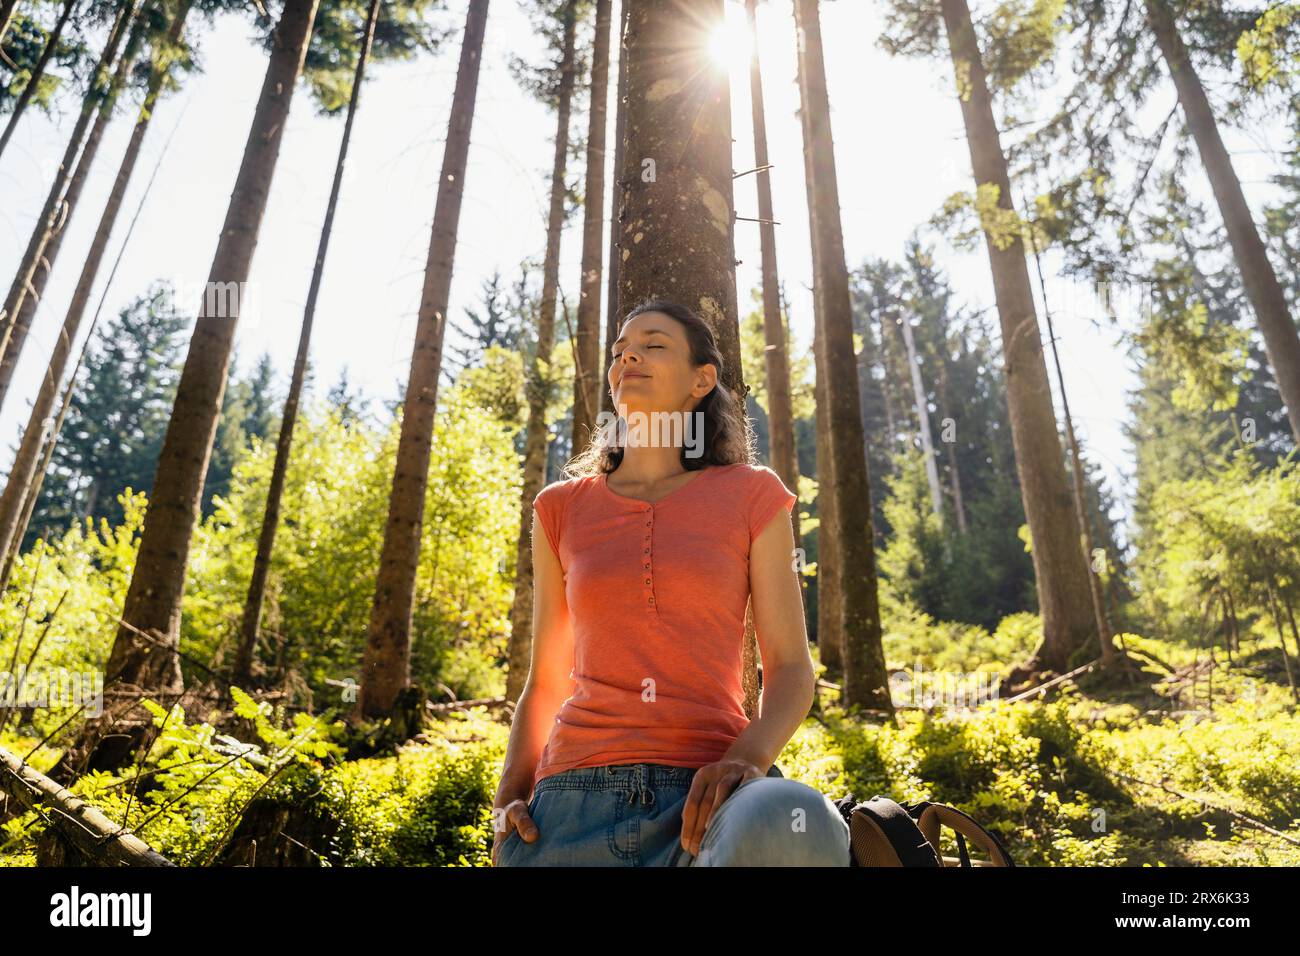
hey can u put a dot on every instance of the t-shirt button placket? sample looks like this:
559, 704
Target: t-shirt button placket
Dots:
649, 579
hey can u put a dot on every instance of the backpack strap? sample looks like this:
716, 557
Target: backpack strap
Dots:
930, 816
883, 833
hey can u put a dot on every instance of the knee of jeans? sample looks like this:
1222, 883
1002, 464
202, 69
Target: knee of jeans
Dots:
781, 805
778, 822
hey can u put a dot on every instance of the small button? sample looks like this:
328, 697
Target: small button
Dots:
647, 524
652, 600
647, 550
647, 580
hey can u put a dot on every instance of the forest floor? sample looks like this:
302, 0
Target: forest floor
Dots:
1197, 764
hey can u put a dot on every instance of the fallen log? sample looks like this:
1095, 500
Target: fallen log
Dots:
79, 835
490, 703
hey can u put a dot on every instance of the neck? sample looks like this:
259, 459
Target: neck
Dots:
650, 463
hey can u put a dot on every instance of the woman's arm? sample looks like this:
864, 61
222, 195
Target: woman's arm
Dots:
789, 680
548, 682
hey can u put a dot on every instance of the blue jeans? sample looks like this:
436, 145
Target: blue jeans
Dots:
631, 815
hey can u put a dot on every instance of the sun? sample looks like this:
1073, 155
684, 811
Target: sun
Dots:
729, 41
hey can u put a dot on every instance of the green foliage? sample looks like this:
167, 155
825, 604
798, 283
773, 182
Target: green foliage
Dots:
402, 31
426, 807
498, 320
249, 410
913, 559
23, 45
114, 429
64, 597
980, 573
1022, 35
753, 360
1227, 537
1028, 773
323, 572
1270, 53
963, 654
188, 795
543, 80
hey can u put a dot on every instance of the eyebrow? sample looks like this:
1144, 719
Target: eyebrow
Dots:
623, 338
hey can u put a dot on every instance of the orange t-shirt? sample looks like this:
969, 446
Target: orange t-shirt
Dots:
657, 595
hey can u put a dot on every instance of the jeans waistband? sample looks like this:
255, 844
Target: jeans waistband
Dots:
638, 780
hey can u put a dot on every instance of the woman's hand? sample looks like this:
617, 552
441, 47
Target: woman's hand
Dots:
712, 784
514, 817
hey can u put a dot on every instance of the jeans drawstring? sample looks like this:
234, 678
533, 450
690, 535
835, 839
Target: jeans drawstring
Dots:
640, 790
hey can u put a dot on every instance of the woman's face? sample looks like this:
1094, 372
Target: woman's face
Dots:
651, 368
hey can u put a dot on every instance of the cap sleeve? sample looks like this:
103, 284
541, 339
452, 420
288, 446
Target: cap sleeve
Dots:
767, 498
548, 504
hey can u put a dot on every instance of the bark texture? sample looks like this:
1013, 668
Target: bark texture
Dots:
386, 667
153, 600
589, 371
1059, 569
865, 683
250, 623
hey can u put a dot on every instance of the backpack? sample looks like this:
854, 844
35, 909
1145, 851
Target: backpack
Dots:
885, 833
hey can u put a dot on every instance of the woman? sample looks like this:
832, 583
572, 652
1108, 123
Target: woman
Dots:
630, 733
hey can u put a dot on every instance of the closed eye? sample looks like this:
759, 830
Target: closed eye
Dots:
617, 354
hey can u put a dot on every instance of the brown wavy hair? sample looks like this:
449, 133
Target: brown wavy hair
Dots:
728, 435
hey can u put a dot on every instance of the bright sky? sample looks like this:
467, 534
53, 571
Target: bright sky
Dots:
899, 145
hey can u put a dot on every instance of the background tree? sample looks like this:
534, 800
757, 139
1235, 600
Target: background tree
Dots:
853, 547
1060, 572
589, 379
166, 49
153, 601
554, 84
386, 665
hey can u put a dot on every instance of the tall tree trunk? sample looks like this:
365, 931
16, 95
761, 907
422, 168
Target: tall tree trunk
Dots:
677, 190
33, 491
519, 651
780, 413
866, 683
1281, 340
589, 373
153, 599
250, 623
830, 622
1067, 616
886, 361
54, 238
922, 418
23, 472
612, 316
387, 663
38, 71
830, 602
958, 504
1281, 642
677, 175
1104, 633
48, 219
